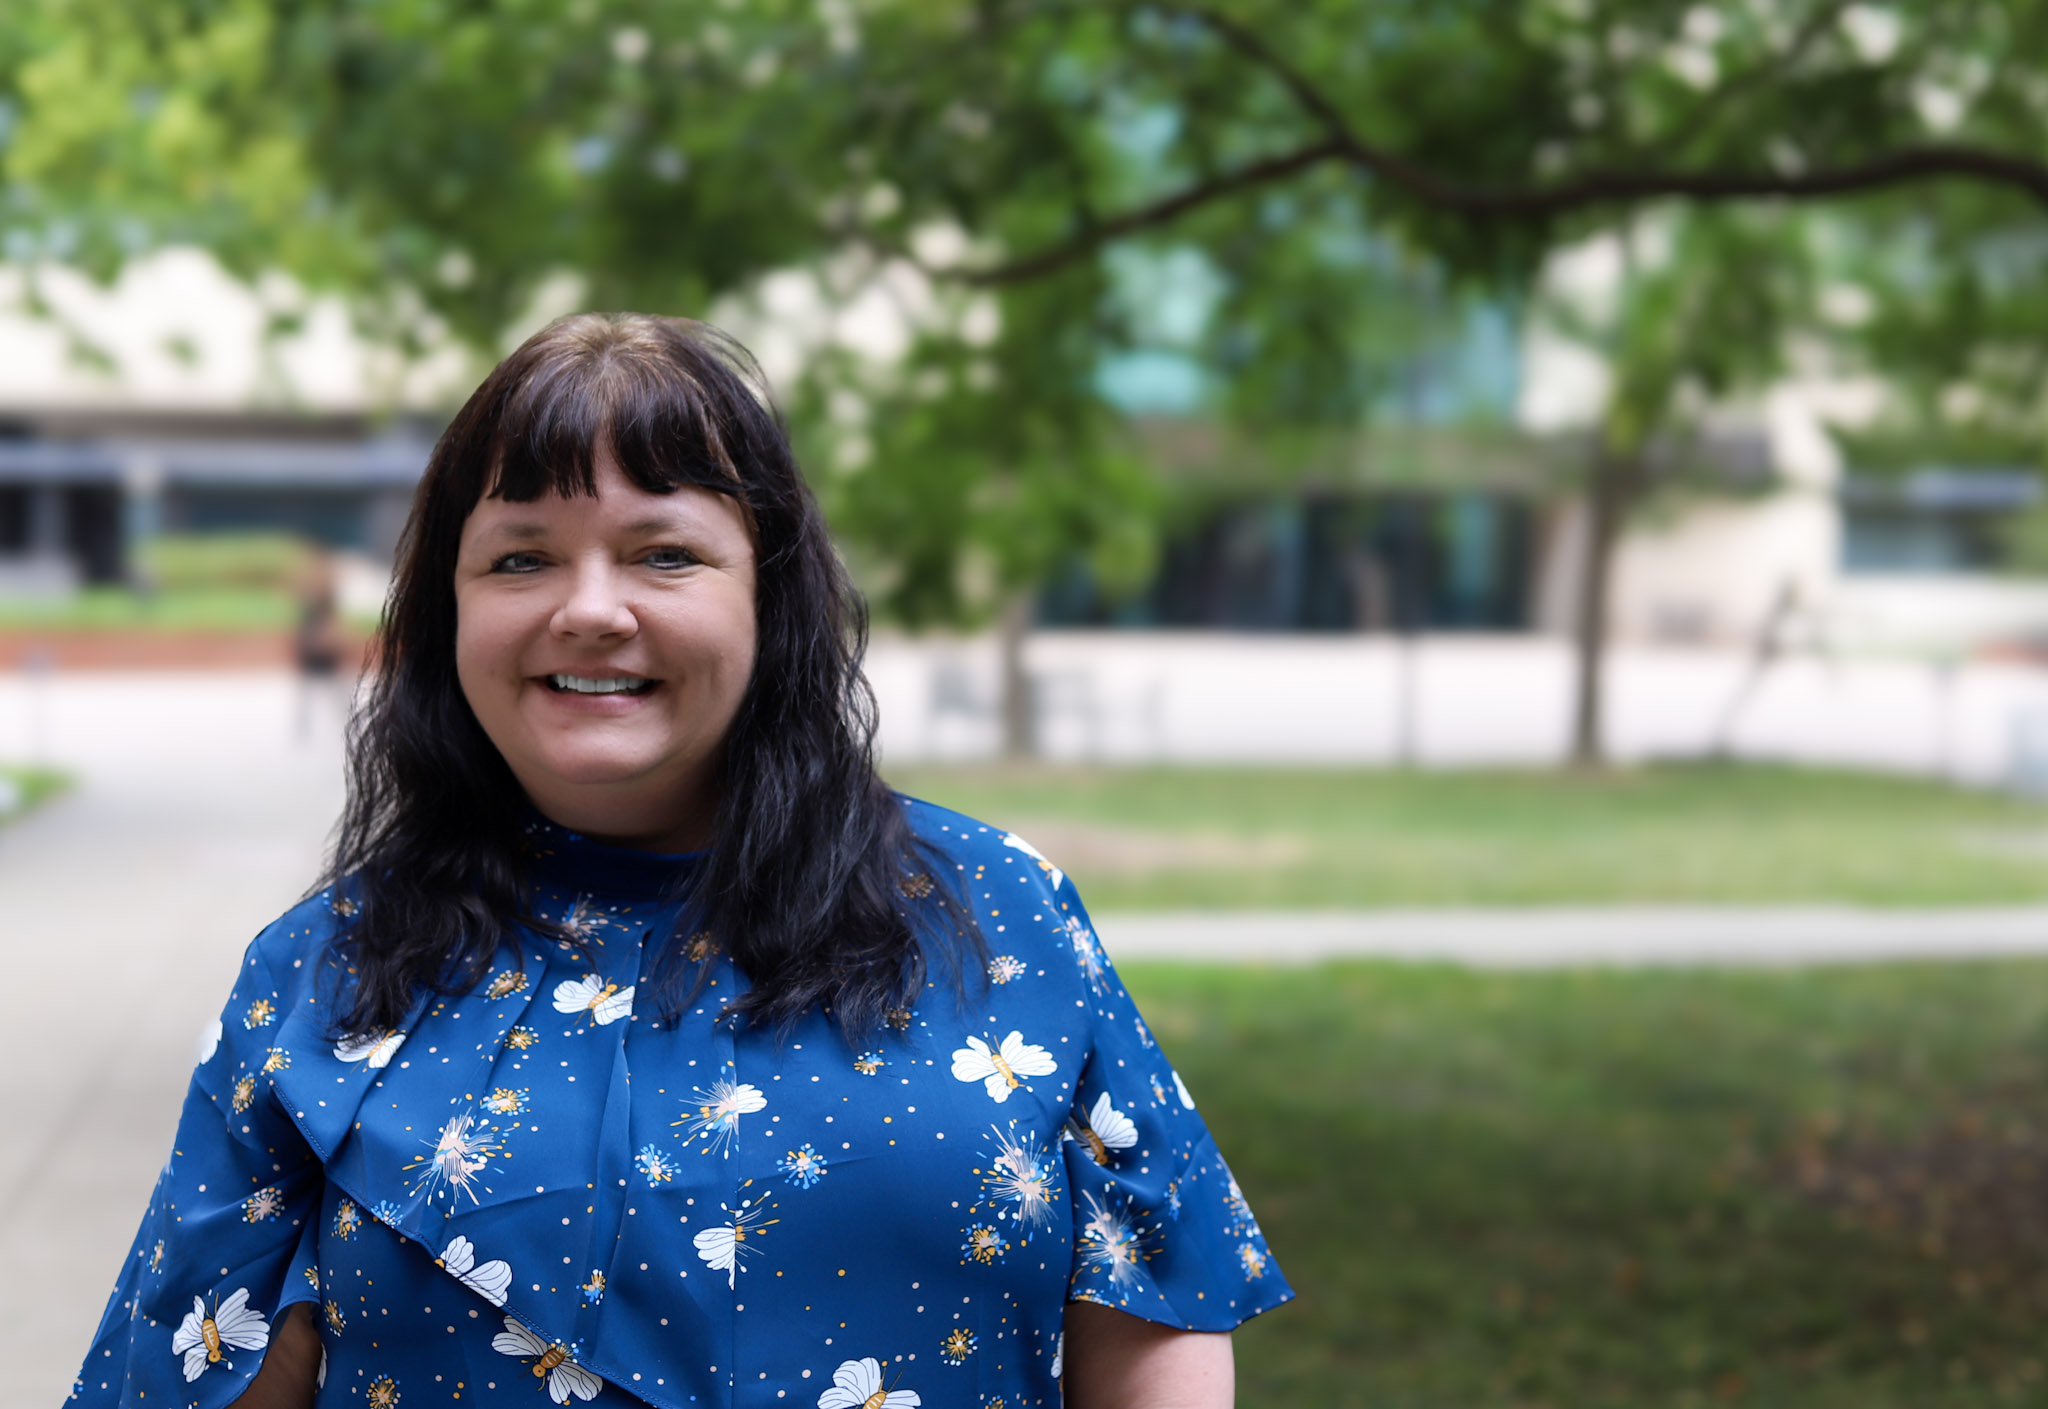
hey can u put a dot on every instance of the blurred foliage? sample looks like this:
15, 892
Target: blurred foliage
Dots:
1702, 311
23, 789
1606, 1189
1357, 839
1291, 201
1953, 300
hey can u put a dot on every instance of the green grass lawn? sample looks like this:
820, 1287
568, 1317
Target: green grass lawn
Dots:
228, 608
1220, 838
34, 785
1820, 1190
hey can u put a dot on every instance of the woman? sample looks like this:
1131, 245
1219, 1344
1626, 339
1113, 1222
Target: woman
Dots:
641, 1045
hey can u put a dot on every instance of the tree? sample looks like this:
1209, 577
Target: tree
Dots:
1705, 313
445, 167
449, 160
1491, 134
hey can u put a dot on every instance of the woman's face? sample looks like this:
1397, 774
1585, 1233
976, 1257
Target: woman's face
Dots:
604, 645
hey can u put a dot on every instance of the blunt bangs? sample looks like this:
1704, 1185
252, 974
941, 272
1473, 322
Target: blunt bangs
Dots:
673, 403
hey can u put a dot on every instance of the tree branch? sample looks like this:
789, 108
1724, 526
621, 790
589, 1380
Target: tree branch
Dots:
1161, 212
1587, 190
1250, 45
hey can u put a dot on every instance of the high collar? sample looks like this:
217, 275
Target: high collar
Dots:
558, 857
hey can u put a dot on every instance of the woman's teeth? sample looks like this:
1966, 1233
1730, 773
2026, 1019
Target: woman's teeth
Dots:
610, 685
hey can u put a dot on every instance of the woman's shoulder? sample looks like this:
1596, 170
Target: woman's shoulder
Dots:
294, 942
971, 844
1028, 910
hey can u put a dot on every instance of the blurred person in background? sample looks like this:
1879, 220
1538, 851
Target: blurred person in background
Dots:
641, 1045
318, 647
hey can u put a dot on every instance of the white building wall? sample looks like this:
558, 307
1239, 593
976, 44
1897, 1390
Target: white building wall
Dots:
1939, 614
1716, 571
1455, 701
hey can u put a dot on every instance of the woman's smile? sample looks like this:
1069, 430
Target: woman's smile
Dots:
600, 685
598, 694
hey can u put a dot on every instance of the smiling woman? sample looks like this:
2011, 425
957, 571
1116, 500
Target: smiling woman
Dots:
784, 1123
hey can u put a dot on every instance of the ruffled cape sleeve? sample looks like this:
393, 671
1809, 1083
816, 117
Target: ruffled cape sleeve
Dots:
1161, 1229
227, 1243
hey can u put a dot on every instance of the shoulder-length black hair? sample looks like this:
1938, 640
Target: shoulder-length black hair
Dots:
812, 865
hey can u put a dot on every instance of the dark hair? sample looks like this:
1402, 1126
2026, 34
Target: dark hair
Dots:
811, 862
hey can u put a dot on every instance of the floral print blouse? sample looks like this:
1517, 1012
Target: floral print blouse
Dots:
538, 1187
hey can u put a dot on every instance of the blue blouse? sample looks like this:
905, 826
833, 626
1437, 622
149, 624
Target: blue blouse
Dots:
533, 1186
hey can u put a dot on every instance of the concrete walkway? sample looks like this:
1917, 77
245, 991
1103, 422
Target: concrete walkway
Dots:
200, 814
1518, 939
124, 907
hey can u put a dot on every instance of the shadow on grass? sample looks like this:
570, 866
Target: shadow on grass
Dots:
1606, 1188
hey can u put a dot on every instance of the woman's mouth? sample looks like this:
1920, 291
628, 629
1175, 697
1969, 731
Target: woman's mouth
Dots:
599, 684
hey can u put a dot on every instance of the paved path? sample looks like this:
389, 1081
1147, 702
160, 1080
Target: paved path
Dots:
1781, 937
199, 815
123, 911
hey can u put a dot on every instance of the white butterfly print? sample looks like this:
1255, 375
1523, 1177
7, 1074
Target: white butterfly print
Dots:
203, 1339
857, 1384
1001, 1069
491, 1281
1182, 1087
555, 1363
376, 1047
605, 1002
724, 1246
209, 1042
1106, 1128
1055, 873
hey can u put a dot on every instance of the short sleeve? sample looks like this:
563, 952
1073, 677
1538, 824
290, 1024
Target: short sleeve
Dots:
228, 1240
1161, 1229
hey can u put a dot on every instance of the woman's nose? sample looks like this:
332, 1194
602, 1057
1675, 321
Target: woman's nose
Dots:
596, 605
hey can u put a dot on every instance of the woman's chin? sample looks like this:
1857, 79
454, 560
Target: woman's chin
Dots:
610, 791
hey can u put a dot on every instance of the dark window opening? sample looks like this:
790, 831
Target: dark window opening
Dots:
1324, 562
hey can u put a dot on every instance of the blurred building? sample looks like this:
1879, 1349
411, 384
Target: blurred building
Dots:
1453, 513
77, 490
171, 401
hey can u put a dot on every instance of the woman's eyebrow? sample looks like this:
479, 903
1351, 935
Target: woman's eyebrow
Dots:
525, 529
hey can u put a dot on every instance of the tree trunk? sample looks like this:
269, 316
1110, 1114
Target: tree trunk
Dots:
1610, 493
1015, 706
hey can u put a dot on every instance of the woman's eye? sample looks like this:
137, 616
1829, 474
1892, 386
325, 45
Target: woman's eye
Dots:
516, 562
669, 558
